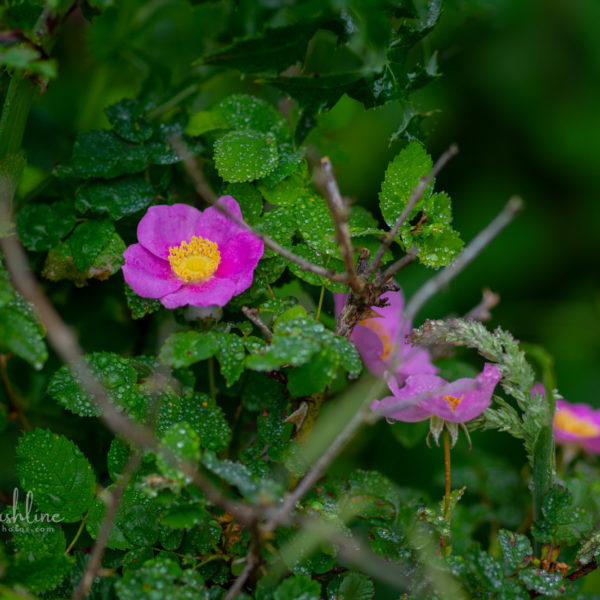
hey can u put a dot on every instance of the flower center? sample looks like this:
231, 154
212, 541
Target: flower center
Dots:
453, 401
567, 421
376, 327
194, 261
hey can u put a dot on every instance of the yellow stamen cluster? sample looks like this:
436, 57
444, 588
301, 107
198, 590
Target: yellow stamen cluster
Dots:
453, 401
194, 261
567, 421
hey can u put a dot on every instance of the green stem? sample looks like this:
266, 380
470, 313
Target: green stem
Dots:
446, 438
15, 111
79, 532
320, 302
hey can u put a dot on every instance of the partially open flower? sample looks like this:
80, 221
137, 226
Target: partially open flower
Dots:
424, 396
187, 256
577, 424
376, 337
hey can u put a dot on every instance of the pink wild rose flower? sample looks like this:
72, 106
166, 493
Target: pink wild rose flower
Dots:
187, 256
577, 424
375, 339
424, 396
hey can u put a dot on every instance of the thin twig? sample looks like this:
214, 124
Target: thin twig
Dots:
339, 211
415, 196
204, 190
238, 584
318, 468
481, 312
406, 260
94, 562
472, 250
252, 315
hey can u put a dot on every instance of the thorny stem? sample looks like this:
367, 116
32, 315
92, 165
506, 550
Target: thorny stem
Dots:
446, 441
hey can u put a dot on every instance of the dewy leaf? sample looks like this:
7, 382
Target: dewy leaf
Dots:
42, 226
401, 177
352, 586
208, 420
188, 347
116, 197
314, 376
159, 579
127, 120
116, 375
249, 199
300, 587
103, 154
516, 548
230, 355
20, 335
273, 50
88, 240
140, 307
183, 443
60, 262
56, 472
33, 538
245, 155
242, 111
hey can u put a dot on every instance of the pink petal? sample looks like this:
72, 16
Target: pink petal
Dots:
148, 276
239, 257
370, 348
216, 226
164, 226
214, 291
339, 300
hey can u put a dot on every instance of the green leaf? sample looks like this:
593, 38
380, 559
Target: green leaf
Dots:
352, 586
562, 523
158, 579
183, 443
234, 473
184, 517
485, 568
116, 197
42, 226
36, 539
242, 111
208, 420
245, 155
60, 262
127, 120
290, 161
288, 190
57, 473
103, 154
273, 50
438, 246
314, 376
401, 177
114, 372
550, 585
280, 225
410, 434
249, 199
316, 225
20, 335
231, 355
88, 241
300, 587
134, 559
188, 347
117, 457
38, 575
322, 260
515, 547
140, 307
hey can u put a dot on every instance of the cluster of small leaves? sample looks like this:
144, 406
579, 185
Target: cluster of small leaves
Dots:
429, 224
